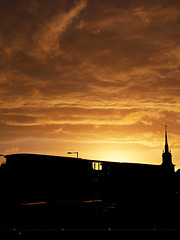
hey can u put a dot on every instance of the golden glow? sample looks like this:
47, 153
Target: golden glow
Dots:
97, 77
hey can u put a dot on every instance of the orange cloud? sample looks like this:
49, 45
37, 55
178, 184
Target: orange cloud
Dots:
47, 39
11, 150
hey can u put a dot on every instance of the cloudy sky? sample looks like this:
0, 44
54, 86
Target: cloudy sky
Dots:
101, 77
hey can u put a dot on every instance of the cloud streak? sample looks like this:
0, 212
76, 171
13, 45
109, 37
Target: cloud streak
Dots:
47, 40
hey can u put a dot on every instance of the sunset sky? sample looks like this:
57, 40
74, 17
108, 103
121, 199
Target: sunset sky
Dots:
101, 77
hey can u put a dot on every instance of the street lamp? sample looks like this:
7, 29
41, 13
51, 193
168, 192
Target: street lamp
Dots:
73, 153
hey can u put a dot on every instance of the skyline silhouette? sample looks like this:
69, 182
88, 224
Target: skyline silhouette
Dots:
98, 191
71, 196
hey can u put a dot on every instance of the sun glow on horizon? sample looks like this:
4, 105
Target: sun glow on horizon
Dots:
131, 156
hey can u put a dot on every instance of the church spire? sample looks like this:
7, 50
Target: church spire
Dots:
167, 156
166, 140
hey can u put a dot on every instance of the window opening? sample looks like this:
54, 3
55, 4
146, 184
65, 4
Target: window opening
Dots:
96, 166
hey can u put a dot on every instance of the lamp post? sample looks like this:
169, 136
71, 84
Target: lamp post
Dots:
73, 153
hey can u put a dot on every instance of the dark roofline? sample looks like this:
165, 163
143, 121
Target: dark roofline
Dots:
90, 160
31, 154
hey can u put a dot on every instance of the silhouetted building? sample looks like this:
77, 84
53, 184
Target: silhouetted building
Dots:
141, 192
34, 176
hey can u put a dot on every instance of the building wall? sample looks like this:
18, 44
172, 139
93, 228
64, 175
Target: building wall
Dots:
41, 177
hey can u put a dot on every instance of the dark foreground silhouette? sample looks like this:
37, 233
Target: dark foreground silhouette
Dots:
64, 197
